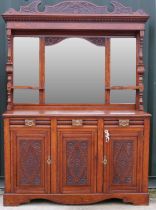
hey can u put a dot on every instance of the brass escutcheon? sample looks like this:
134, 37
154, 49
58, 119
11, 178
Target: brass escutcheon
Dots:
30, 123
77, 122
124, 123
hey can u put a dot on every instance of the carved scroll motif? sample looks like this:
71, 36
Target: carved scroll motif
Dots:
77, 7
99, 41
32, 7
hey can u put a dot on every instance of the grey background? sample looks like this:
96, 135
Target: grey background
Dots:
149, 60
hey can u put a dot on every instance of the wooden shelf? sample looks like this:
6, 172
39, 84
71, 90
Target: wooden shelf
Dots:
123, 88
27, 87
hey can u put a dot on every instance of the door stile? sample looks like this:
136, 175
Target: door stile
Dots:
7, 152
105, 161
94, 160
100, 149
47, 165
53, 148
139, 159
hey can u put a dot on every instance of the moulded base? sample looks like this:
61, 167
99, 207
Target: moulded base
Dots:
11, 199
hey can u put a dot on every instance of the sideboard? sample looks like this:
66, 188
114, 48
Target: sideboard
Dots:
78, 142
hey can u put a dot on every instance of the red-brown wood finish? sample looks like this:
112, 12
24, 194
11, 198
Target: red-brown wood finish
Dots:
123, 159
76, 153
30, 150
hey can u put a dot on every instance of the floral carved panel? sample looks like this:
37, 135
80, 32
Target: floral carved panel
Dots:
123, 160
77, 162
30, 163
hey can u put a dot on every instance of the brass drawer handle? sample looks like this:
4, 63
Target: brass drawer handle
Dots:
107, 136
105, 161
124, 123
77, 122
49, 160
30, 123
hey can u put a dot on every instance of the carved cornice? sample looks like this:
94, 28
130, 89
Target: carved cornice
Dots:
74, 10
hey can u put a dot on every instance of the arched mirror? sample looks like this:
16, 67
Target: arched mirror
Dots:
75, 72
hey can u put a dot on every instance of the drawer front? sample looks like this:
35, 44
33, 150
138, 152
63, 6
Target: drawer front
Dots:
30, 122
77, 122
124, 122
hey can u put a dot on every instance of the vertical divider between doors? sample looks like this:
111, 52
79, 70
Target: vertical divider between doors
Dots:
100, 172
95, 163
47, 178
53, 147
106, 168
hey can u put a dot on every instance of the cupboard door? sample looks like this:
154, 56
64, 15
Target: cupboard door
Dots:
123, 159
77, 160
30, 151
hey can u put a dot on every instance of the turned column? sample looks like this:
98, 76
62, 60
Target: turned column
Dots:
140, 71
9, 70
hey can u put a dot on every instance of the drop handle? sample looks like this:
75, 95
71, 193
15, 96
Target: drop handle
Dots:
49, 160
107, 136
105, 160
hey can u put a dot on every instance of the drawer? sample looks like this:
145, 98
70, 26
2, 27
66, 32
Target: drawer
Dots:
77, 122
30, 122
124, 122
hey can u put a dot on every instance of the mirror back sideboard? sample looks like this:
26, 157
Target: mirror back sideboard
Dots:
75, 127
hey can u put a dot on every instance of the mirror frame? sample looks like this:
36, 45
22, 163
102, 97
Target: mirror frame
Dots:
77, 19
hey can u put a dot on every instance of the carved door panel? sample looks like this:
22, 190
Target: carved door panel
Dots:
77, 151
123, 155
30, 151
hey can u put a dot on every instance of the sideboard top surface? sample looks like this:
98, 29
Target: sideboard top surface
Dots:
77, 113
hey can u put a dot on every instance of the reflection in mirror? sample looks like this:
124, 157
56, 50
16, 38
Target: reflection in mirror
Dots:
75, 72
123, 61
123, 96
26, 96
26, 61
